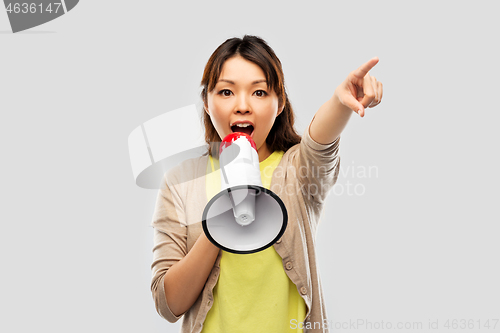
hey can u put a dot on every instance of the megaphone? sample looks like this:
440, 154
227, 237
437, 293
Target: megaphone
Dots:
244, 217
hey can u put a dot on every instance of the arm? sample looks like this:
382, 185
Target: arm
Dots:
179, 276
357, 92
185, 280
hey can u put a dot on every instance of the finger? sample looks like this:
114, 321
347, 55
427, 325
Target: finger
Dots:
379, 93
369, 92
365, 68
350, 101
378, 89
381, 90
375, 90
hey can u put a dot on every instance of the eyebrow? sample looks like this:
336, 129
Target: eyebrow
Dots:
232, 82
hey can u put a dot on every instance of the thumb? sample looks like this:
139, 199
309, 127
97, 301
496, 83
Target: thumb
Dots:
353, 104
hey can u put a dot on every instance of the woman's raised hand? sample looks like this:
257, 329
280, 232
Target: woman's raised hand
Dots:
360, 90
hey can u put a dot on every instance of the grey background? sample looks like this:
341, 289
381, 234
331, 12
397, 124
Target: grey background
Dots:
420, 244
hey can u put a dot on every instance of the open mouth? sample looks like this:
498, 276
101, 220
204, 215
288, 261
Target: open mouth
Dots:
247, 129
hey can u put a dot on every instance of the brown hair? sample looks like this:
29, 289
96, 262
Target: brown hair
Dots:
252, 48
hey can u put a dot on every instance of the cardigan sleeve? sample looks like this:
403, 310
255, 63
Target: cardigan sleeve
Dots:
317, 167
170, 241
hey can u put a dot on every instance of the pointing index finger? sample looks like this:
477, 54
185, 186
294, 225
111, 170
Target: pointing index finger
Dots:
365, 68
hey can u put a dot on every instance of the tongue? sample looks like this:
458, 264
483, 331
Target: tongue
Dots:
247, 130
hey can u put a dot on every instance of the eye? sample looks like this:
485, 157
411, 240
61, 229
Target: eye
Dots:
260, 93
225, 92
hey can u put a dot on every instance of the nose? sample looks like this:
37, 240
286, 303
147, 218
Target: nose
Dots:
242, 105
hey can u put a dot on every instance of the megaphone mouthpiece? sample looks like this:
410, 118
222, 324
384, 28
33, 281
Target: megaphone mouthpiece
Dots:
230, 138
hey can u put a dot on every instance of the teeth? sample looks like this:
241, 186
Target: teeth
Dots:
243, 125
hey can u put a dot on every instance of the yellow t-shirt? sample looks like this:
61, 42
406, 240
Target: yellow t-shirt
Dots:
253, 293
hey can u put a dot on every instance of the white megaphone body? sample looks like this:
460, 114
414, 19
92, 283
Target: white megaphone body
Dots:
244, 217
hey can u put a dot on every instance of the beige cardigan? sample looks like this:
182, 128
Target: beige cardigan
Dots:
302, 180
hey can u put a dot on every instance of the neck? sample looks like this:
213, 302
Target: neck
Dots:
263, 152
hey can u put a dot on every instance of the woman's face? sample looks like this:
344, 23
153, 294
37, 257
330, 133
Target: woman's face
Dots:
241, 96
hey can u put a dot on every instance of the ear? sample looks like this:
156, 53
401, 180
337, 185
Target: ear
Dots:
280, 109
204, 99
281, 105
